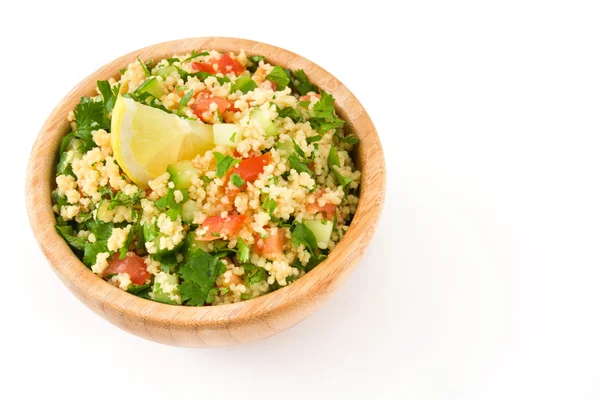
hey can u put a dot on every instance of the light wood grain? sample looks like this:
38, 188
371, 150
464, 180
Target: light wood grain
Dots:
222, 325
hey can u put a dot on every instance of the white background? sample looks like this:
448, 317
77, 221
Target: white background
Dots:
482, 281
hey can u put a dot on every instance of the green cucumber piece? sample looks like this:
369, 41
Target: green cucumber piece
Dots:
187, 211
260, 119
182, 173
244, 84
322, 231
152, 86
226, 134
157, 292
164, 72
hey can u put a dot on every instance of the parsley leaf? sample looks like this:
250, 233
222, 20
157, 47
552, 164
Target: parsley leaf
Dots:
254, 274
269, 205
140, 290
313, 139
324, 118
255, 60
109, 94
90, 115
302, 235
237, 180
342, 180
350, 139
298, 165
290, 112
243, 251
184, 100
332, 158
66, 232
144, 66
199, 274
279, 77
224, 163
301, 84
195, 55
168, 204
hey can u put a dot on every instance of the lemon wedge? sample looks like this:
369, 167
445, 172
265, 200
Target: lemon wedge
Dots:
145, 140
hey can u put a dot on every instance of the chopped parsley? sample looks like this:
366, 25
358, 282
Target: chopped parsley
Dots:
198, 276
302, 235
144, 66
243, 251
291, 113
109, 94
237, 180
324, 118
195, 55
184, 100
301, 84
350, 139
224, 163
279, 77
269, 205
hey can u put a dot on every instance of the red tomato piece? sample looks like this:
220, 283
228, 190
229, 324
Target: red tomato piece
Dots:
224, 226
228, 64
203, 101
328, 209
204, 67
132, 264
308, 97
271, 246
250, 168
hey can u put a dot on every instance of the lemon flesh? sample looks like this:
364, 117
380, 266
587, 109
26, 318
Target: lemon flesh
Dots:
145, 140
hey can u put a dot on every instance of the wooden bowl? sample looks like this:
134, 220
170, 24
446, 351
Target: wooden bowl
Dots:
221, 325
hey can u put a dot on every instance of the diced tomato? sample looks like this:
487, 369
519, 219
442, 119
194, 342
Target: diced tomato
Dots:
224, 226
308, 97
311, 166
250, 168
204, 67
132, 264
273, 85
328, 209
203, 101
228, 64
271, 246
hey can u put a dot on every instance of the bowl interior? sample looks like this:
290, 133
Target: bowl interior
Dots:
222, 324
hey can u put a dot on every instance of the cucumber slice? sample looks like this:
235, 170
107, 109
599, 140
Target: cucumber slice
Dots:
152, 86
321, 231
164, 72
244, 84
182, 173
187, 211
158, 294
226, 134
192, 244
260, 119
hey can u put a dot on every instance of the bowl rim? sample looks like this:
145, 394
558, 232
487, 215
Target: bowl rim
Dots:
307, 292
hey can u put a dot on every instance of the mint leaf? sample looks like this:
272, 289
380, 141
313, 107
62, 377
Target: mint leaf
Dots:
199, 274
302, 235
279, 77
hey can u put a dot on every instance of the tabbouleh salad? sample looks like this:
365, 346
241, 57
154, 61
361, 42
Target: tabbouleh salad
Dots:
205, 178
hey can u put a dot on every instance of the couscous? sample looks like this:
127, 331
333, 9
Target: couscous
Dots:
205, 178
